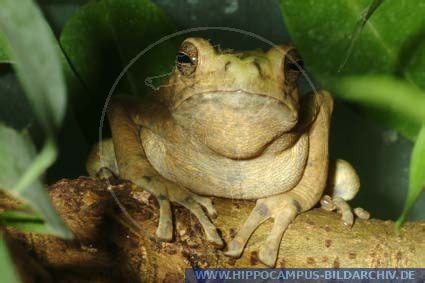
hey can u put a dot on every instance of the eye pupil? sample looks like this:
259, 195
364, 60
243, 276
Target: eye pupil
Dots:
296, 66
187, 59
183, 58
292, 66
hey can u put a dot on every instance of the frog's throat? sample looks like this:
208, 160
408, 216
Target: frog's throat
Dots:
236, 125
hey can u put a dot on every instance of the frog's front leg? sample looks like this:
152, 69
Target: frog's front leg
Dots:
343, 185
134, 166
283, 208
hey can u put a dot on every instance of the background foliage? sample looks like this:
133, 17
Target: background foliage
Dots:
40, 74
368, 61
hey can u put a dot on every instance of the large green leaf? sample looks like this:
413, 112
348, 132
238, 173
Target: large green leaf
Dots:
36, 57
417, 175
7, 268
324, 37
101, 39
364, 18
17, 153
148, 25
386, 44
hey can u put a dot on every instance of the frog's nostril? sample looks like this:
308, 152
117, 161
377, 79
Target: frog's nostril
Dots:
227, 65
257, 65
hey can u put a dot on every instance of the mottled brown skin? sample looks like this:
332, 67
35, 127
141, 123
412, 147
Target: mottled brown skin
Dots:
230, 125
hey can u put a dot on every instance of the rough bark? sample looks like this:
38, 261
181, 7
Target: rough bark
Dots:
112, 245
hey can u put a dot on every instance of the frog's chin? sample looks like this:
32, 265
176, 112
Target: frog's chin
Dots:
235, 124
237, 97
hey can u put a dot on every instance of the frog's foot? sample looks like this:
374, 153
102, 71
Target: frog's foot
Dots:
283, 209
342, 207
166, 192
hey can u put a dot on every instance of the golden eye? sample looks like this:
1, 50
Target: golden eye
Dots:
292, 66
187, 58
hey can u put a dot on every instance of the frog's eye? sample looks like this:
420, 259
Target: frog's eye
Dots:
292, 66
187, 58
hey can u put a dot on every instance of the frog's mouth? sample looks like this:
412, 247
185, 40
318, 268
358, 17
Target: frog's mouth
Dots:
238, 100
236, 124
232, 94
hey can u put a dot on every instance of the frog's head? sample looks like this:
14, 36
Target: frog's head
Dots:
236, 101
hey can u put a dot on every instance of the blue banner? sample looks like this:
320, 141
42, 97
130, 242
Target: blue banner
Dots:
274, 275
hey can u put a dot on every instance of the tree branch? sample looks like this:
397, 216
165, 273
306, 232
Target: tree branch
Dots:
123, 245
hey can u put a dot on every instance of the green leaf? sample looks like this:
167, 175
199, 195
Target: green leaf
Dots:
4, 53
323, 38
19, 215
17, 154
86, 41
379, 48
101, 38
359, 27
414, 61
395, 100
417, 176
36, 60
24, 221
148, 24
7, 268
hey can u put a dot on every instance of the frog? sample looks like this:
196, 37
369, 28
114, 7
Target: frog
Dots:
229, 124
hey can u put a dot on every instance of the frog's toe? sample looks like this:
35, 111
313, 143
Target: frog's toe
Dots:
209, 228
207, 203
259, 214
165, 226
234, 248
268, 256
268, 253
343, 208
361, 213
347, 218
327, 203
